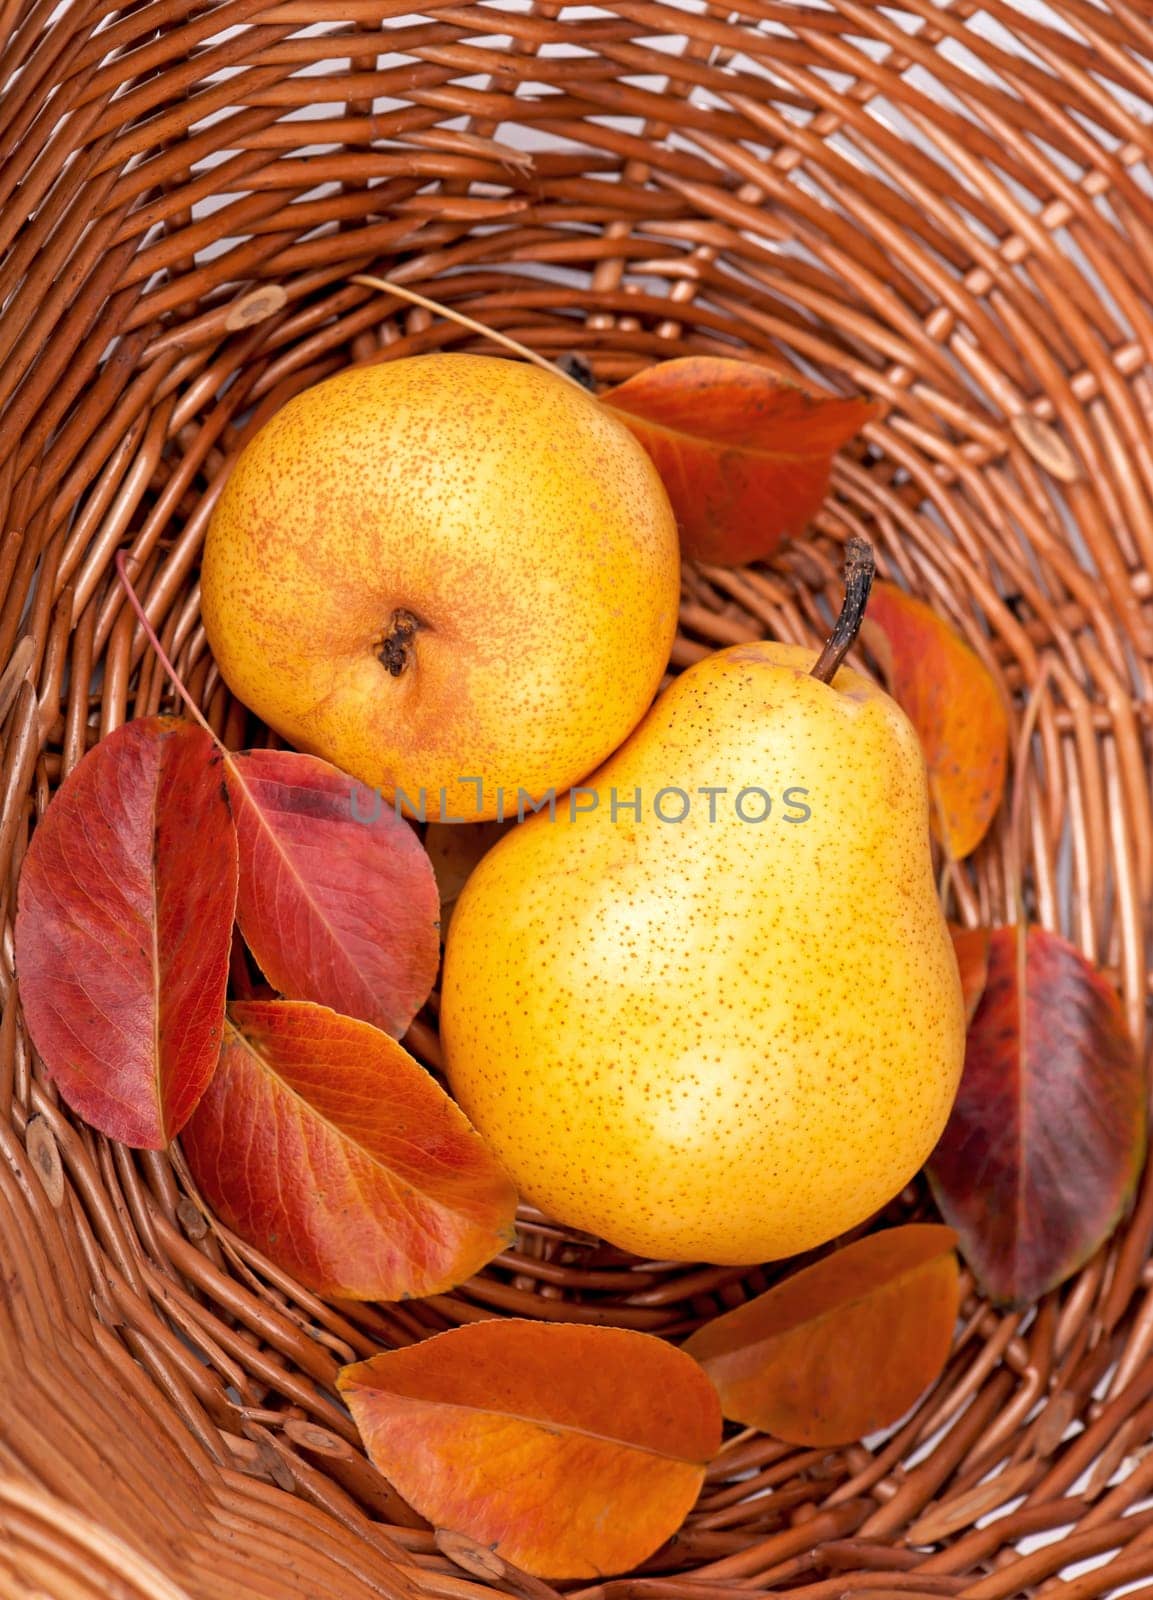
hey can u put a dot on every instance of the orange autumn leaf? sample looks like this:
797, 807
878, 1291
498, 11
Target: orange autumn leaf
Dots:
971, 947
745, 458
843, 1347
601, 1436
952, 701
322, 1142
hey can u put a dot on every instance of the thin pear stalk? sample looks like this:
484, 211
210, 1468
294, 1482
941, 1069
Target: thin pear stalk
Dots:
860, 565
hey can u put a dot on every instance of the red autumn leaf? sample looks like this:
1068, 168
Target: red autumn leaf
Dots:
843, 1347
601, 1435
338, 902
952, 701
745, 458
1047, 1136
971, 947
123, 930
326, 1145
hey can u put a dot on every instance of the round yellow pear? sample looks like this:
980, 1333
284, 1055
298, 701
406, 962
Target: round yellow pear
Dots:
711, 1011
454, 576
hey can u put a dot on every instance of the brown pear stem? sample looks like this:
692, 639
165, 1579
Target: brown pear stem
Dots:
860, 565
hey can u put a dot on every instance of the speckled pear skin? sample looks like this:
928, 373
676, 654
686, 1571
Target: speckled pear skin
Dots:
502, 507
717, 1041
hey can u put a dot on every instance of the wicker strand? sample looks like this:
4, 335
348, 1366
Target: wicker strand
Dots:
947, 207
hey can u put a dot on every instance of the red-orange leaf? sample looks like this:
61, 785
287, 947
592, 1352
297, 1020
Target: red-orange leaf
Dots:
123, 931
953, 703
338, 902
971, 946
843, 1347
325, 1144
571, 1451
744, 457
1046, 1139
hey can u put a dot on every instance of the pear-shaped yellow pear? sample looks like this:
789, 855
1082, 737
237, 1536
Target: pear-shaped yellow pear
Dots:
731, 1034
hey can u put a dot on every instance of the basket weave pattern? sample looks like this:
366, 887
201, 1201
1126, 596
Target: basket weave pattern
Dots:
948, 207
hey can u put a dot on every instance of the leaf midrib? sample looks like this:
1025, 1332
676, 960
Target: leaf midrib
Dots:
319, 1116
702, 440
838, 1310
535, 1422
298, 877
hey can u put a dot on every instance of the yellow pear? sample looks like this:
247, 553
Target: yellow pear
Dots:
734, 1033
445, 573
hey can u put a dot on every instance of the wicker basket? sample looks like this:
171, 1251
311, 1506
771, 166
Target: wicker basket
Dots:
947, 206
